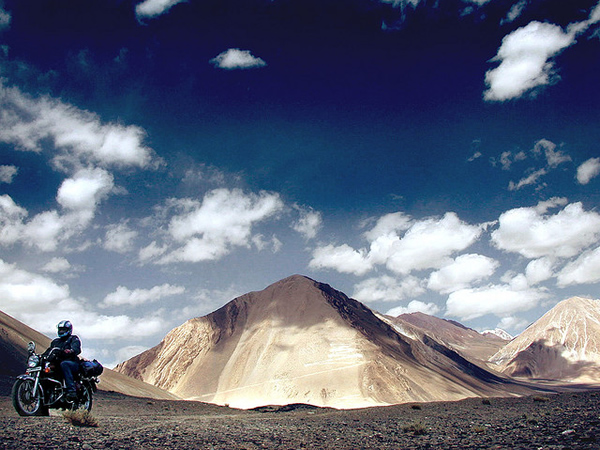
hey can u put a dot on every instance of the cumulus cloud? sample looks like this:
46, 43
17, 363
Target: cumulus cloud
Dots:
234, 58
125, 296
342, 258
57, 265
414, 306
500, 300
426, 244
7, 174
539, 270
461, 272
79, 196
402, 245
585, 269
85, 190
525, 60
224, 219
41, 303
79, 137
154, 8
387, 289
119, 238
588, 170
308, 224
535, 234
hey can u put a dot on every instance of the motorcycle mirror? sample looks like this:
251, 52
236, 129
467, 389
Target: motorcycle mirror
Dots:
31, 347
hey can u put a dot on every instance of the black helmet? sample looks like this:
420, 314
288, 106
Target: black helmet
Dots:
65, 328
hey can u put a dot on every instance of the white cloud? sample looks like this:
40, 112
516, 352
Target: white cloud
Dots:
534, 234
507, 158
224, 219
515, 11
426, 244
7, 173
152, 251
585, 269
79, 136
79, 195
41, 303
532, 178
553, 157
390, 224
512, 323
154, 8
588, 170
85, 190
525, 60
387, 289
119, 238
342, 258
125, 296
308, 224
414, 306
234, 58
56, 265
463, 271
500, 300
539, 270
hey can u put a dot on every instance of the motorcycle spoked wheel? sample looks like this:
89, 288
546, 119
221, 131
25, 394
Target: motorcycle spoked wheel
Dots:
27, 402
84, 399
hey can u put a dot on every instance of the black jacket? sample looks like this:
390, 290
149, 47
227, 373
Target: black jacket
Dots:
71, 343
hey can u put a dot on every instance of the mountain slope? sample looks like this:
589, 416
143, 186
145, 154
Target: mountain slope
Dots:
15, 335
466, 341
302, 341
564, 344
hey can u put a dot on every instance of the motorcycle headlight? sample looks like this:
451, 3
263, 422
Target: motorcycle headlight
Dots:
33, 361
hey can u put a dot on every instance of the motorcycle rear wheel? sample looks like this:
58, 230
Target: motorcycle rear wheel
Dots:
27, 402
84, 399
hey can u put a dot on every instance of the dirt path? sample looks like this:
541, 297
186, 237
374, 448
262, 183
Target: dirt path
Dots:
562, 421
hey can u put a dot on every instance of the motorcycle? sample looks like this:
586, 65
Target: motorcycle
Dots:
42, 386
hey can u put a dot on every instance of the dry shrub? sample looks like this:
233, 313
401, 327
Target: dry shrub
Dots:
416, 428
81, 418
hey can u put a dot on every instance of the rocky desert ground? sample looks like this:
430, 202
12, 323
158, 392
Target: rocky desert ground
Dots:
568, 420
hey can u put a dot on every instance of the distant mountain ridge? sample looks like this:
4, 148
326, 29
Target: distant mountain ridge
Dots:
564, 344
301, 341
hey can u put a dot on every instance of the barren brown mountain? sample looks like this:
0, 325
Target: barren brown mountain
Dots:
14, 336
469, 343
564, 344
300, 341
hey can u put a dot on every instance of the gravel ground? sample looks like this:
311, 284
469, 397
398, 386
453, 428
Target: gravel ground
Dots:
557, 421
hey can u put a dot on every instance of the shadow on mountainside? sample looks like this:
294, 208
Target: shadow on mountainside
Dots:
543, 361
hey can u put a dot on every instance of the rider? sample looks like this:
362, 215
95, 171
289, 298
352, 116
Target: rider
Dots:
68, 348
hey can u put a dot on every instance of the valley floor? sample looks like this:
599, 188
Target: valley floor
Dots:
569, 420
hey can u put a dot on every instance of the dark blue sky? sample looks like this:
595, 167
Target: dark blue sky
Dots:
434, 156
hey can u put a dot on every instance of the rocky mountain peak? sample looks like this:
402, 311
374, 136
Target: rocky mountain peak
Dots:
563, 344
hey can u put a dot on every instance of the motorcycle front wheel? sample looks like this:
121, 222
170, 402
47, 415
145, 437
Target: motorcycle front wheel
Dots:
27, 402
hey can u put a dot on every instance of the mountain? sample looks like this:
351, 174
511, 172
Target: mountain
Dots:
502, 334
14, 337
301, 341
466, 341
564, 344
